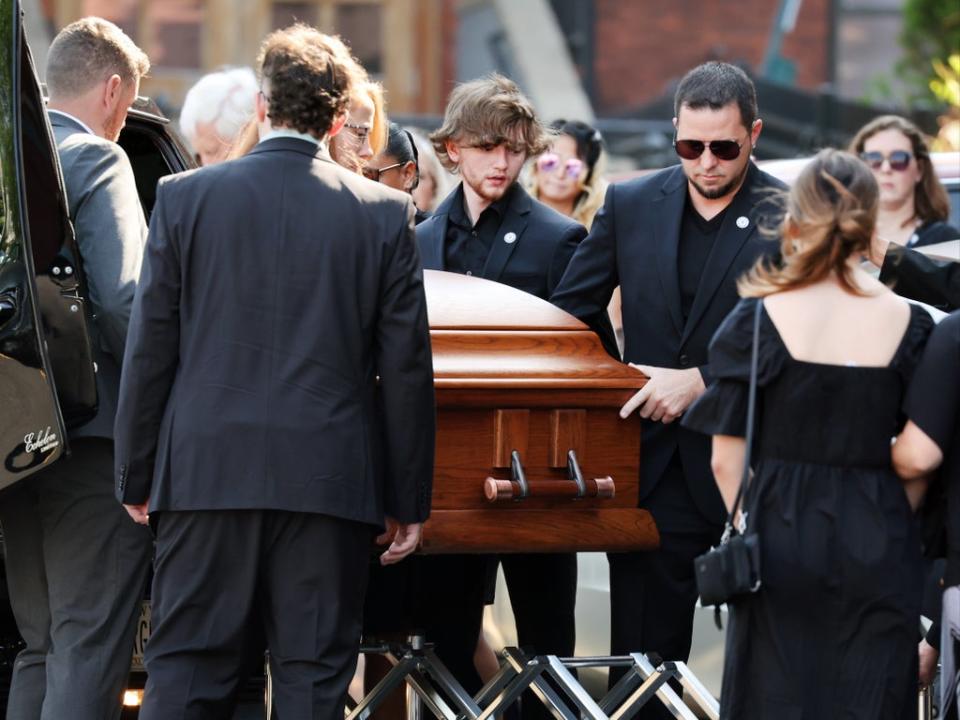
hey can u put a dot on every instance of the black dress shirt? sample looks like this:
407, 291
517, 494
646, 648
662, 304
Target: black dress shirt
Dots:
697, 235
468, 243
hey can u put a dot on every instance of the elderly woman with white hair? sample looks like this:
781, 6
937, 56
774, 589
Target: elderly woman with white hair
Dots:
215, 110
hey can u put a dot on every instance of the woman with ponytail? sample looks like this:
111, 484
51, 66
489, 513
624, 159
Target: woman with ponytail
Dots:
832, 630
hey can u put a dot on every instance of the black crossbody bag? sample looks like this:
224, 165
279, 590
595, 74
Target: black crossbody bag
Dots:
733, 568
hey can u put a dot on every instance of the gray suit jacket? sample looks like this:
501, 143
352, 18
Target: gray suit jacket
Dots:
279, 355
111, 232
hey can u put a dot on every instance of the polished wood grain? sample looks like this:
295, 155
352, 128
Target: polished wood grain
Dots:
568, 429
512, 372
617, 530
511, 428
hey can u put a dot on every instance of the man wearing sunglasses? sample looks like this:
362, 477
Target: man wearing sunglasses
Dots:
491, 228
675, 242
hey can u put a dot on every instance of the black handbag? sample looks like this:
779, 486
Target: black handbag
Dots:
733, 568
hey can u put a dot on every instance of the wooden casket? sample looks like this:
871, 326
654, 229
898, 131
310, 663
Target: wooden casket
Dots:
532, 455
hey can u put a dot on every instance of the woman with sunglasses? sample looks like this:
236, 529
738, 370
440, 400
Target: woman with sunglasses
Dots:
397, 166
913, 204
569, 176
365, 132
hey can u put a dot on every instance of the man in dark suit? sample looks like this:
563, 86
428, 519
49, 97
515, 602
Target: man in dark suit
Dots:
491, 228
675, 242
76, 564
277, 401
913, 275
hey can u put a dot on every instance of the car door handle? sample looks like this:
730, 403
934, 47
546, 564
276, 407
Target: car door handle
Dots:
8, 307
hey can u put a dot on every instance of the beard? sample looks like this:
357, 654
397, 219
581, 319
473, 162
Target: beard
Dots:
114, 124
490, 194
723, 190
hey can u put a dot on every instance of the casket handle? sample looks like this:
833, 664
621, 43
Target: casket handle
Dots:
519, 476
498, 490
575, 474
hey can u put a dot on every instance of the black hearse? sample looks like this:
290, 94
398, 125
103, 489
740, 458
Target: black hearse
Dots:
47, 381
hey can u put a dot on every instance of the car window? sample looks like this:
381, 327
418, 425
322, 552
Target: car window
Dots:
47, 213
152, 156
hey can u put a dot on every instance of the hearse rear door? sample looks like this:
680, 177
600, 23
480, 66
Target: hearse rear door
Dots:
35, 241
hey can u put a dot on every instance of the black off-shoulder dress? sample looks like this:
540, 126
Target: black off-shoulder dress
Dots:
833, 631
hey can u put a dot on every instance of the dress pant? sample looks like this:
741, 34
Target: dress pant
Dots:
304, 573
653, 594
543, 595
76, 566
449, 610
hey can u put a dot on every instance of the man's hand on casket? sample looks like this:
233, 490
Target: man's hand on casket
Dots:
667, 393
405, 538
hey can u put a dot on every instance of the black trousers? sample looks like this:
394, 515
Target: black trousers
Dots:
653, 594
453, 589
76, 567
305, 574
543, 595
449, 610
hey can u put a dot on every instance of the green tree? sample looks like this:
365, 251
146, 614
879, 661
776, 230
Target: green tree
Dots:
931, 31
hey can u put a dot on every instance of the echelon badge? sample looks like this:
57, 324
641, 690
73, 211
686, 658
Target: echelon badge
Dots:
510, 237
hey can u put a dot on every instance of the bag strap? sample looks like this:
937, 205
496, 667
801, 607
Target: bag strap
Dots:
751, 414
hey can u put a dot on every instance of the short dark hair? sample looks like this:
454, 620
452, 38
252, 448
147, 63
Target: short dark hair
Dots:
400, 145
310, 77
716, 85
402, 148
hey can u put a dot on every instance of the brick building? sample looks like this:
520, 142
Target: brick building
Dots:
625, 53
641, 47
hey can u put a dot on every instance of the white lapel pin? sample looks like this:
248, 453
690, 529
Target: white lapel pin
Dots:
743, 221
510, 237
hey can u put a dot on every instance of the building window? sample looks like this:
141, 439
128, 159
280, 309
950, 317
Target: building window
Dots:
176, 31
122, 13
360, 24
172, 30
284, 14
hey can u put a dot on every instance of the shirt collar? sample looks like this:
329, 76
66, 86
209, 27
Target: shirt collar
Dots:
459, 214
75, 119
288, 133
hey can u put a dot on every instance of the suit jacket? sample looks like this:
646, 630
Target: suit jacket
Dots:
110, 231
918, 277
276, 290
634, 243
534, 262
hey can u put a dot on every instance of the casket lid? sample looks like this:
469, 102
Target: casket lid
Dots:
463, 302
489, 335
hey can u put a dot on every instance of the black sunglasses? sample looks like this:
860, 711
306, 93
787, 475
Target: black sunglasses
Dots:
372, 173
720, 149
899, 159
